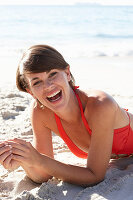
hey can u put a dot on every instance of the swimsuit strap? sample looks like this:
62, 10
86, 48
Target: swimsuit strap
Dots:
81, 110
128, 115
129, 118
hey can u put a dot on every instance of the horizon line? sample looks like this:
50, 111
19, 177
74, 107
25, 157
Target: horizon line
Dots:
61, 4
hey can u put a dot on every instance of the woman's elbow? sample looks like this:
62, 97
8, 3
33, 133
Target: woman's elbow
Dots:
95, 179
99, 179
41, 179
95, 182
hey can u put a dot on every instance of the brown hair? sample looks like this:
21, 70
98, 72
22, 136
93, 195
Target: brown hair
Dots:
39, 58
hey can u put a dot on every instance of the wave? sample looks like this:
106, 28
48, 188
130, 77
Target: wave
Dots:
111, 36
74, 49
102, 54
75, 54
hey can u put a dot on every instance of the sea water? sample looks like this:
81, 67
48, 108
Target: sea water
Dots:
78, 30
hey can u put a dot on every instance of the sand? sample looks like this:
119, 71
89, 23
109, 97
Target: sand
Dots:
15, 122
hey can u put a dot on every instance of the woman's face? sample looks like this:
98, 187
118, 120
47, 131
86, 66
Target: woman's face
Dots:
50, 88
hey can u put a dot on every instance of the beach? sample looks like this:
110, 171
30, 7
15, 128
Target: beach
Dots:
96, 41
15, 122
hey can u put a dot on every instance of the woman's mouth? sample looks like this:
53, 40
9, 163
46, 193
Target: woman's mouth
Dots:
55, 96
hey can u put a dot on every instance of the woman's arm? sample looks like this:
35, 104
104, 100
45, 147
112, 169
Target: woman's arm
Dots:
98, 157
42, 142
42, 139
102, 123
39, 166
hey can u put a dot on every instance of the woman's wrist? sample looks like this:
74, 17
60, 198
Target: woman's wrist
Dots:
37, 172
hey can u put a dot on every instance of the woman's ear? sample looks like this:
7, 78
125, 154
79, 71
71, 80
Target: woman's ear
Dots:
67, 70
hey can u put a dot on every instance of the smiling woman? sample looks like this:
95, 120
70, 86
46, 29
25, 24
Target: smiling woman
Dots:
42, 67
45, 58
93, 125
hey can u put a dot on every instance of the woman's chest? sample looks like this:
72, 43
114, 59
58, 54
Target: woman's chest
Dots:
72, 133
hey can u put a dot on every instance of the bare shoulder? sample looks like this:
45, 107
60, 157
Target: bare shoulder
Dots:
100, 100
100, 107
35, 109
38, 114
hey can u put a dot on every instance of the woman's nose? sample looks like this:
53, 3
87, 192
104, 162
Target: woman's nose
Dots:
48, 84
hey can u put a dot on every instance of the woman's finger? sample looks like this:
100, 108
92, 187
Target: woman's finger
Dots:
18, 158
23, 142
4, 156
11, 164
7, 162
18, 146
18, 152
2, 144
4, 149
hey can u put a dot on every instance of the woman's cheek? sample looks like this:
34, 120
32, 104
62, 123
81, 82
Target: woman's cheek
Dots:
37, 90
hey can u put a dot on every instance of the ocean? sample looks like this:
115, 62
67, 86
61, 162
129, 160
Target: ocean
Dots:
78, 30
83, 33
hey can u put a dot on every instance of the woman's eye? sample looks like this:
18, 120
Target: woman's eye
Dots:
52, 74
37, 83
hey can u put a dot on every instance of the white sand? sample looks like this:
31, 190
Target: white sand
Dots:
14, 118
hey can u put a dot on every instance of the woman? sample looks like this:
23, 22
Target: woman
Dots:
93, 126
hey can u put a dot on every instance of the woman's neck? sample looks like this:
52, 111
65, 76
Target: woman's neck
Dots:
71, 113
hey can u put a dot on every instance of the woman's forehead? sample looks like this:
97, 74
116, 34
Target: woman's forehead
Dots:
35, 75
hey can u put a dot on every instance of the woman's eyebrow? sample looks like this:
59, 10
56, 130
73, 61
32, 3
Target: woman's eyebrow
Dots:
33, 79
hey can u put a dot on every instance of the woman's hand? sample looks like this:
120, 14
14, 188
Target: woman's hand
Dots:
6, 157
24, 153
4, 152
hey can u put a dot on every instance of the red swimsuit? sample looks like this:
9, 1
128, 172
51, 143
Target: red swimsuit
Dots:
122, 140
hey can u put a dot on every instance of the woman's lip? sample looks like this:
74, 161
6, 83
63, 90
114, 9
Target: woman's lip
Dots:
56, 99
53, 94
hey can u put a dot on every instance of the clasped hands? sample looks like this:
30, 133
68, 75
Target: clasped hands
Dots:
17, 152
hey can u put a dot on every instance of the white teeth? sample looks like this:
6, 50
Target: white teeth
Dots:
52, 95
